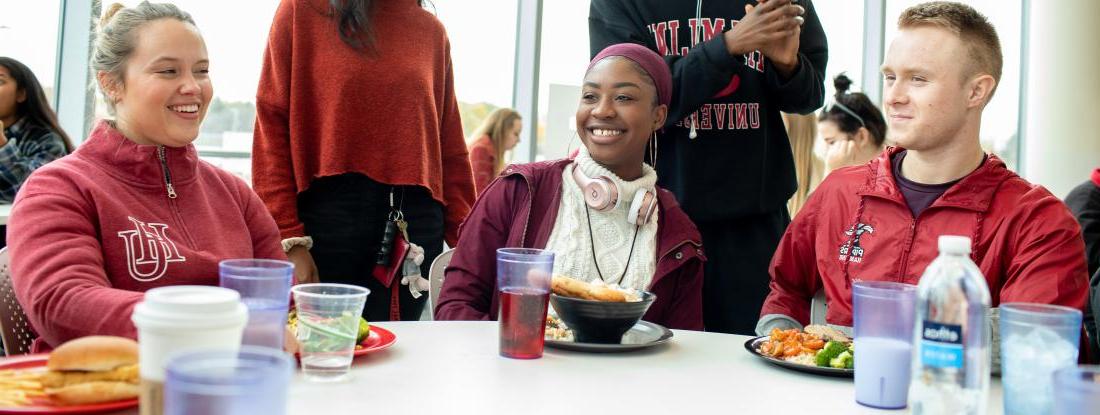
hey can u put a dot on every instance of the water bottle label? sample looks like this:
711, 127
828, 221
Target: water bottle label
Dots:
941, 345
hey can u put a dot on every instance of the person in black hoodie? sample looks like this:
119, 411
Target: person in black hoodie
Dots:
1084, 202
724, 151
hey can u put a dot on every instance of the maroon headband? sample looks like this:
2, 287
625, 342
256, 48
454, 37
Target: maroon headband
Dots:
650, 62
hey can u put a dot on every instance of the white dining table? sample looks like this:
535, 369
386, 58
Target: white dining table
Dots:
455, 368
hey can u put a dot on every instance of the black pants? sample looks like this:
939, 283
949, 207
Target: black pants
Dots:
346, 216
735, 281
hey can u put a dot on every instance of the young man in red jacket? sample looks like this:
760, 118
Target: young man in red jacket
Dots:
880, 221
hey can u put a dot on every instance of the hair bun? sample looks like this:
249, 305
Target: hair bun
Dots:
842, 83
111, 12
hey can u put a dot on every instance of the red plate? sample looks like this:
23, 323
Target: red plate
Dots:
378, 339
37, 362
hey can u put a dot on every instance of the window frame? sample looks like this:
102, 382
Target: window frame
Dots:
75, 91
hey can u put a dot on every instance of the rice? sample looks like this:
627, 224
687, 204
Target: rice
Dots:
803, 359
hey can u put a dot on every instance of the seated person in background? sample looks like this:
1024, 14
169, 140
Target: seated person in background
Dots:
852, 127
498, 134
624, 99
1084, 202
29, 133
808, 167
881, 221
133, 208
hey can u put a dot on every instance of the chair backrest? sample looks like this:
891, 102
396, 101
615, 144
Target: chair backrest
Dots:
818, 308
15, 331
435, 277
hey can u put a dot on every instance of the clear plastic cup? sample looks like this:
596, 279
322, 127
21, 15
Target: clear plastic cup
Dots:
523, 283
264, 285
1077, 390
884, 317
219, 382
1036, 340
328, 322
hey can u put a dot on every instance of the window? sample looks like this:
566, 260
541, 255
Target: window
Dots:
999, 133
28, 33
483, 43
482, 54
564, 58
843, 24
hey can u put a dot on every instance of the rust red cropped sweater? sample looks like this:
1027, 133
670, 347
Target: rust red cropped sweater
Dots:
323, 109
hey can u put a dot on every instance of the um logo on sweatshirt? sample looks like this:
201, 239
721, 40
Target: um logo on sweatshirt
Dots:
149, 250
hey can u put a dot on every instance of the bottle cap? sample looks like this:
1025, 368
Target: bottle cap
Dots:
952, 244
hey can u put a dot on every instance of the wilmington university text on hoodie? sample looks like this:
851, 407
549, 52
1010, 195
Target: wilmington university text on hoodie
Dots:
740, 163
91, 232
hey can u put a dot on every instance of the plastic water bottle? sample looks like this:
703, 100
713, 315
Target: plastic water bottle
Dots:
952, 335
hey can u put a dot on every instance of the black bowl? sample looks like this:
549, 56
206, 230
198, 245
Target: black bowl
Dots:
600, 321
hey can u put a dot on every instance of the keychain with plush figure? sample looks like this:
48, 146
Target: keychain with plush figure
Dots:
410, 271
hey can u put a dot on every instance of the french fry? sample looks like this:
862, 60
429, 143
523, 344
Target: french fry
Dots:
17, 387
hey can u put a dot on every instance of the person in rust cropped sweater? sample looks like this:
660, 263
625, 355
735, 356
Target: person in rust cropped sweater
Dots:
356, 118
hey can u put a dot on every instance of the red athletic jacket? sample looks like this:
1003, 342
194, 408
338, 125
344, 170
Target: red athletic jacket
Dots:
856, 226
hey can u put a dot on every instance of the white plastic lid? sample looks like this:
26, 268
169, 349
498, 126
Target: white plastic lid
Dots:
952, 244
190, 305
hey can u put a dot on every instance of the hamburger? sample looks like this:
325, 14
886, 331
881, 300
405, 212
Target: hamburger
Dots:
93, 369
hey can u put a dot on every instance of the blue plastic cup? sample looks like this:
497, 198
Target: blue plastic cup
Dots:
1077, 390
1036, 340
253, 380
264, 285
523, 283
884, 315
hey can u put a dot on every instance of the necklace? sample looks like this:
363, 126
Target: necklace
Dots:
592, 244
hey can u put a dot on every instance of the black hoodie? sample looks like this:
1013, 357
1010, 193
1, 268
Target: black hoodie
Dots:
740, 163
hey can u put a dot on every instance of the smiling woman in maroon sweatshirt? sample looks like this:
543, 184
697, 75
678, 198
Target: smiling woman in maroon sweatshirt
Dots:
133, 208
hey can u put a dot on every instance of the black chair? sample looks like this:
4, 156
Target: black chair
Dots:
15, 331
1092, 355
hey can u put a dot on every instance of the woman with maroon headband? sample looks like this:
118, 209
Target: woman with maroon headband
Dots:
636, 236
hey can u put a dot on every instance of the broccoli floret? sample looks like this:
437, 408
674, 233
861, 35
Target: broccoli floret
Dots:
831, 350
842, 361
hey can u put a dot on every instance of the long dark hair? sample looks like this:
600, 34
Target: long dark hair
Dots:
869, 115
353, 18
35, 109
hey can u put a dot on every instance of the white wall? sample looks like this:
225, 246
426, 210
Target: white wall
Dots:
1062, 139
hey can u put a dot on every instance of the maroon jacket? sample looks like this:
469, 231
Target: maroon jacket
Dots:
519, 210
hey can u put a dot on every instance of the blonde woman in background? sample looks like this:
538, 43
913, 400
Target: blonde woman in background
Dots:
808, 167
498, 134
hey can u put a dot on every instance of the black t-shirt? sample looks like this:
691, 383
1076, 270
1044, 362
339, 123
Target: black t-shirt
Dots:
919, 196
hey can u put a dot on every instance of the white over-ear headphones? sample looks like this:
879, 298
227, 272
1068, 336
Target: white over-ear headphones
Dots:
602, 194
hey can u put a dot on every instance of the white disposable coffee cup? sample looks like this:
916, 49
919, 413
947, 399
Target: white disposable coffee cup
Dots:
186, 317
177, 319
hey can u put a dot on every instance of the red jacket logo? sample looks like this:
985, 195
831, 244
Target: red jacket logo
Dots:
148, 250
851, 249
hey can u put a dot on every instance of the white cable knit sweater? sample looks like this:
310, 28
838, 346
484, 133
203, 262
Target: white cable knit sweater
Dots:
571, 239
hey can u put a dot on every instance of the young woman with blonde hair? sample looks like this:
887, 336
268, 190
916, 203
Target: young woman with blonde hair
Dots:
496, 135
809, 169
133, 208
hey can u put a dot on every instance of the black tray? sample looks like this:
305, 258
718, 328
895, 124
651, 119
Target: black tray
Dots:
753, 346
643, 335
